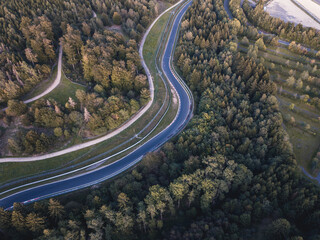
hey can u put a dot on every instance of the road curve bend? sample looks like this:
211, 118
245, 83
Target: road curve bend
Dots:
106, 172
113, 133
55, 83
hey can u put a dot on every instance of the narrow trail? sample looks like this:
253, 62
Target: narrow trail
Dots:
55, 83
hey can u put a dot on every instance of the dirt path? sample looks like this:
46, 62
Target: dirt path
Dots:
56, 82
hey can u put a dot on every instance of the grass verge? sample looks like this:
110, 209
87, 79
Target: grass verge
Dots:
12, 171
64, 90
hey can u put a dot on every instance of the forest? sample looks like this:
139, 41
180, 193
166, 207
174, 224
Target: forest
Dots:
104, 62
294, 67
231, 174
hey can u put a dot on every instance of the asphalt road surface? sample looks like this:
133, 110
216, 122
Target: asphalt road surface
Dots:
107, 172
114, 132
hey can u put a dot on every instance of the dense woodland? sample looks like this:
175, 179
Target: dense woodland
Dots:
105, 61
231, 174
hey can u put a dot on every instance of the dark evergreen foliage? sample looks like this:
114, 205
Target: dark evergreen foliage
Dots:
230, 175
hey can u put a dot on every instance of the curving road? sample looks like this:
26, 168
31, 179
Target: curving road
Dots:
87, 179
113, 133
55, 83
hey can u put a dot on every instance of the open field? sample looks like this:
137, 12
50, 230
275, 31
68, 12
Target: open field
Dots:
64, 90
305, 143
289, 12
